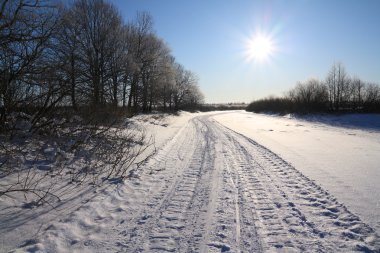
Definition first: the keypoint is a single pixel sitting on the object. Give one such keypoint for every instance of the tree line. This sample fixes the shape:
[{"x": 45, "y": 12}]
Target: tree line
[
  {"x": 85, "y": 58},
  {"x": 69, "y": 74},
  {"x": 338, "y": 92}
]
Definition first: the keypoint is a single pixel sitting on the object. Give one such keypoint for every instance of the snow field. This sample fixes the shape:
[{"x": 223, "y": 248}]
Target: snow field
[
  {"x": 209, "y": 189},
  {"x": 339, "y": 153}
]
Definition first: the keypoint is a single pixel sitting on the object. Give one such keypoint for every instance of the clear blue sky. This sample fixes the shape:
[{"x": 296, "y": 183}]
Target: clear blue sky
[{"x": 209, "y": 38}]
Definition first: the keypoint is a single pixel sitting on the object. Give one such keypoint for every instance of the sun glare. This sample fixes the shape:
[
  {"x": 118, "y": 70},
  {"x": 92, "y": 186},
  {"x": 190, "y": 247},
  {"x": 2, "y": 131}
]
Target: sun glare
[{"x": 260, "y": 48}]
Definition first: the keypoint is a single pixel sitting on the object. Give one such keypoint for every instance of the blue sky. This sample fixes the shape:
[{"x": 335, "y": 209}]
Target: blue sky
[{"x": 209, "y": 38}]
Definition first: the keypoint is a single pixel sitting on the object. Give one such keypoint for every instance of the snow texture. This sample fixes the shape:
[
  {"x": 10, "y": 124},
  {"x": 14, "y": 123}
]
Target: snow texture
[
  {"x": 220, "y": 183},
  {"x": 341, "y": 153}
]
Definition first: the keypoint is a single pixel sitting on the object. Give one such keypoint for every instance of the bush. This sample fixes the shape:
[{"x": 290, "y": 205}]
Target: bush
[
  {"x": 271, "y": 104},
  {"x": 338, "y": 93},
  {"x": 309, "y": 96}
]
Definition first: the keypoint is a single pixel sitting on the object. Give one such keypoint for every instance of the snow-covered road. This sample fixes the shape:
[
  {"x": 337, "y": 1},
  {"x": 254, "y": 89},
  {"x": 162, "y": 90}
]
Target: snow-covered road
[
  {"x": 210, "y": 189},
  {"x": 225, "y": 192}
]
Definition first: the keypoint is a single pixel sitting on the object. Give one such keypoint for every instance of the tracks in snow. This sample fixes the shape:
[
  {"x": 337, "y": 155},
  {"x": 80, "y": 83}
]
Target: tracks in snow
[{"x": 214, "y": 190}]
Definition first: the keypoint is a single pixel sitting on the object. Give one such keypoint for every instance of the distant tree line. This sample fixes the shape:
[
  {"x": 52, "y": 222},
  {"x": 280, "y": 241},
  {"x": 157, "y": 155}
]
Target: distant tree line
[
  {"x": 338, "y": 92},
  {"x": 85, "y": 58},
  {"x": 222, "y": 107}
]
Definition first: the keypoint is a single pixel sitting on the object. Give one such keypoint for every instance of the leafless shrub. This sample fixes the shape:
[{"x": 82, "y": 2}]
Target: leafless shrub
[
  {"x": 69, "y": 75},
  {"x": 337, "y": 93},
  {"x": 271, "y": 105},
  {"x": 39, "y": 165},
  {"x": 309, "y": 96}
]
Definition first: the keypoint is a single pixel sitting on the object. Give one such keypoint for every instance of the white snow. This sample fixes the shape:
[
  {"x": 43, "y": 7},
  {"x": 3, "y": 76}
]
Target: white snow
[
  {"x": 271, "y": 184},
  {"x": 341, "y": 153}
]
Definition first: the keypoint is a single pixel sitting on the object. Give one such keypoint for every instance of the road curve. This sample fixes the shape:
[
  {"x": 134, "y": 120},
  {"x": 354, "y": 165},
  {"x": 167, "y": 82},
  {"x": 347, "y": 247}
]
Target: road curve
[{"x": 219, "y": 191}]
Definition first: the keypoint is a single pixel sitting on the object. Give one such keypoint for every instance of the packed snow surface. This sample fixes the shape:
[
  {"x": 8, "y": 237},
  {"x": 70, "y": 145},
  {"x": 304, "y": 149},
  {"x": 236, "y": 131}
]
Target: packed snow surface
[
  {"x": 227, "y": 182},
  {"x": 341, "y": 153}
]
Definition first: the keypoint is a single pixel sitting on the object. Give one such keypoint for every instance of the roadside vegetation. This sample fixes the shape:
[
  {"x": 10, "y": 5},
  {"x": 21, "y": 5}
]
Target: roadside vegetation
[
  {"x": 337, "y": 93},
  {"x": 69, "y": 76},
  {"x": 222, "y": 107}
]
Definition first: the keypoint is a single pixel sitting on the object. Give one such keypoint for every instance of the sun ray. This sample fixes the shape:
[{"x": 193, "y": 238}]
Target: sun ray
[{"x": 260, "y": 48}]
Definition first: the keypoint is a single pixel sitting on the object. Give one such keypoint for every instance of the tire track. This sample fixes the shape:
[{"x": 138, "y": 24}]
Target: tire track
[
  {"x": 218, "y": 191},
  {"x": 210, "y": 189},
  {"x": 167, "y": 167},
  {"x": 293, "y": 212},
  {"x": 184, "y": 209}
]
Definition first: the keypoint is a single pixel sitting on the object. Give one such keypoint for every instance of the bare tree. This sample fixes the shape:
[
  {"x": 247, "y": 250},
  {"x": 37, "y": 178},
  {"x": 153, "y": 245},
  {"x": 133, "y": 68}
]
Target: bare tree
[
  {"x": 184, "y": 79},
  {"x": 137, "y": 44},
  {"x": 332, "y": 84},
  {"x": 99, "y": 24},
  {"x": 338, "y": 83},
  {"x": 166, "y": 82},
  {"x": 309, "y": 96},
  {"x": 25, "y": 30},
  {"x": 64, "y": 71},
  {"x": 372, "y": 98},
  {"x": 67, "y": 51},
  {"x": 358, "y": 87}
]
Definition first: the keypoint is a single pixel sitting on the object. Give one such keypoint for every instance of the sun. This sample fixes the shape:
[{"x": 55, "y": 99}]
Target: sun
[{"x": 260, "y": 48}]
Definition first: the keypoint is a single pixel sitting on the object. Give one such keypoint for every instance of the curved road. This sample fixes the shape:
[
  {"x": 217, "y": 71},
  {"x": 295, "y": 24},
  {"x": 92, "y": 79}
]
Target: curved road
[{"x": 215, "y": 190}]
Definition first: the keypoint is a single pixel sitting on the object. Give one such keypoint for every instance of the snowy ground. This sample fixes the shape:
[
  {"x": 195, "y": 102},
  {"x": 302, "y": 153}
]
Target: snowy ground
[
  {"x": 341, "y": 153},
  {"x": 226, "y": 182}
]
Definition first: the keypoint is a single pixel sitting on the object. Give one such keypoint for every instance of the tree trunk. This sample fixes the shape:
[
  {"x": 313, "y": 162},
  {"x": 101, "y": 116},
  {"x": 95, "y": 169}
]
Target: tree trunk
[
  {"x": 73, "y": 98},
  {"x": 114, "y": 81}
]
